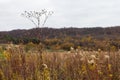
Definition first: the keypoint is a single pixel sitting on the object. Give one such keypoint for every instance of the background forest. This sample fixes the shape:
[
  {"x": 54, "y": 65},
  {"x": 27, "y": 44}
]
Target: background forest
[{"x": 64, "y": 38}]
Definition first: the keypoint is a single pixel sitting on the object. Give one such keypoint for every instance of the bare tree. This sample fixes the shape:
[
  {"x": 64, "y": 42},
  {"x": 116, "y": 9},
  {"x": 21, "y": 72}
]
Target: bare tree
[{"x": 37, "y": 18}]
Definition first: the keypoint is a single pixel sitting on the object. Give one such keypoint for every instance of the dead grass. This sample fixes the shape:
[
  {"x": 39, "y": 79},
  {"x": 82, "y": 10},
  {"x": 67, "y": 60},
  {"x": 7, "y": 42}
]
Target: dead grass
[{"x": 17, "y": 64}]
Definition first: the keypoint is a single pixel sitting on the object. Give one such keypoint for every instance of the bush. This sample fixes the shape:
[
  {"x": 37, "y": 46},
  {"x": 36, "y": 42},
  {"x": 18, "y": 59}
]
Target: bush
[{"x": 67, "y": 46}]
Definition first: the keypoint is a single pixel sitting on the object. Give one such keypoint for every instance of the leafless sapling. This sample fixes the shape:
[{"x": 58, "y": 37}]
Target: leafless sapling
[{"x": 38, "y": 18}]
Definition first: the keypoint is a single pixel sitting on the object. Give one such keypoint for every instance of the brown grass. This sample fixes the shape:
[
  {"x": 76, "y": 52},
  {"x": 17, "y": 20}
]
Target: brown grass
[{"x": 17, "y": 64}]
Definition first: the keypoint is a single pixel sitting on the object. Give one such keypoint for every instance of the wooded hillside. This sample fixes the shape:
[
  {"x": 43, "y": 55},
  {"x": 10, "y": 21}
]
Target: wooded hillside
[{"x": 85, "y": 37}]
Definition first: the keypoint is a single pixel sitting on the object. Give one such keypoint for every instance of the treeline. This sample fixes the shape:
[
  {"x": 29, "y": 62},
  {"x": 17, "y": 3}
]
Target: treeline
[{"x": 64, "y": 38}]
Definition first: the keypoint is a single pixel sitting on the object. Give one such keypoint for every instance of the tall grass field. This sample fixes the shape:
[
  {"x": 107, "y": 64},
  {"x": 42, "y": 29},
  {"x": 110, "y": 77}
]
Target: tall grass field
[{"x": 26, "y": 62}]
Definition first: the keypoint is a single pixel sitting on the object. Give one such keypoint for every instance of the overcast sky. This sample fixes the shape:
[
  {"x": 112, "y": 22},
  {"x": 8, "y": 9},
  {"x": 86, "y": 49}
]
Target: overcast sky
[{"x": 67, "y": 13}]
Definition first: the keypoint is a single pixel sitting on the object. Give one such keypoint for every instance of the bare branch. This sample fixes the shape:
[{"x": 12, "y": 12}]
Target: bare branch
[{"x": 35, "y": 17}]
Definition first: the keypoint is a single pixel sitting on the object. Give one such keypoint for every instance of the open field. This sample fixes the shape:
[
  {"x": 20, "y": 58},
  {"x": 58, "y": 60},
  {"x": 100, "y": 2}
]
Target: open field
[
  {"x": 62, "y": 40},
  {"x": 21, "y": 62}
]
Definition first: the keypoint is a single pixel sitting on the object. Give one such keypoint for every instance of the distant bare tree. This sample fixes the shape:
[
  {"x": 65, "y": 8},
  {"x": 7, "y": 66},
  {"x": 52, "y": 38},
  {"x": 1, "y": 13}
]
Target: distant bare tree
[{"x": 37, "y": 18}]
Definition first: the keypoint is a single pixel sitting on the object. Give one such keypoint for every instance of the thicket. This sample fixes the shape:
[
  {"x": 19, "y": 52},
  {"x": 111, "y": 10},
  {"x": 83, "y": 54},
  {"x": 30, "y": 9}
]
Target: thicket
[{"x": 85, "y": 43}]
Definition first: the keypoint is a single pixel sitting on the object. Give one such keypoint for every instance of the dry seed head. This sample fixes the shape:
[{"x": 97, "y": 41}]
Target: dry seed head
[
  {"x": 68, "y": 52},
  {"x": 17, "y": 46},
  {"x": 106, "y": 56},
  {"x": 82, "y": 59},
  {"x": 91, "y": 61},
  {"x": 99, "y": 50},
  {"x": 71, "y": 48},
  {"x": 44, "y": 66},
  {"x": 77, "y": 50},
  {"x": 93, "y": 56}
]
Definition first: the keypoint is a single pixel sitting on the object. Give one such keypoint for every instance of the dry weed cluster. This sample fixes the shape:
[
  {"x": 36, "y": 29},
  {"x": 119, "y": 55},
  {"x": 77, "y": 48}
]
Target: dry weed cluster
[{"x": 17, "y": 63}]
